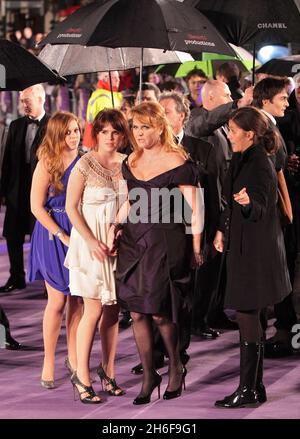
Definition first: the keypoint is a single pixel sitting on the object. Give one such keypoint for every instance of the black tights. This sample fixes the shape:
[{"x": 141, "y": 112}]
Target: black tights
[
  {"x": 250, "y": 326},
  {"x": 143, "y": 334}
]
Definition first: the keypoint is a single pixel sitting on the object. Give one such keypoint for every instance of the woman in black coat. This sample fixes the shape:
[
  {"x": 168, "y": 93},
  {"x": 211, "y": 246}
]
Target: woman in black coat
[{"x": 250, "y": 234}]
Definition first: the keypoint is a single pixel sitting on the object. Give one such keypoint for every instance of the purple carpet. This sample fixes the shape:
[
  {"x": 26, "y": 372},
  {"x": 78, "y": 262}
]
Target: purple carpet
[{"x": 212, "y": 374}]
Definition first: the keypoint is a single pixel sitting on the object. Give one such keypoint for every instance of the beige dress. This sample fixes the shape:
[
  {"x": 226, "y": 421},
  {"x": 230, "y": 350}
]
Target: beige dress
[{"x": 101, "y": 197}]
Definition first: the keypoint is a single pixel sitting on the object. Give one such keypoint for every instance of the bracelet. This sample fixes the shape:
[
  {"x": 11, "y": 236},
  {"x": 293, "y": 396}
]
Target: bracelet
[{"x": 59, "y": 233}]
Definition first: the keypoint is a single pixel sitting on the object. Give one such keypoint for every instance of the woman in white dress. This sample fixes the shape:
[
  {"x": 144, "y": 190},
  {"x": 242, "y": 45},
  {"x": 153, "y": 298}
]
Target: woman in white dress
[{"x": 94, "y": 193}]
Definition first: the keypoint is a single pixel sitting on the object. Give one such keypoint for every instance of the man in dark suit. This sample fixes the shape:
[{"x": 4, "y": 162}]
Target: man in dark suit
[
  {"x": 8, "y": 342},
  {"x": 24, "y": 136},
  {"x": 209, "y": 122},
  {"x": 271, "y": 96}
]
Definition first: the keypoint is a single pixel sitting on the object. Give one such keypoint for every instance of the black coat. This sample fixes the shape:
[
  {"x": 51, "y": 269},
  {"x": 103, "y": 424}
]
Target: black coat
[
  {"x": 16, "y": 177},
  {"x": 257, "y": 274}
]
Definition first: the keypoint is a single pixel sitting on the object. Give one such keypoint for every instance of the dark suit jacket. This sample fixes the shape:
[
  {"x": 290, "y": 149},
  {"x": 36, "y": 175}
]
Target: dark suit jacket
[
  {"x": 203, "y": 123},
  {"x": 208, "y": 125},
  {"x": 13, "y": 170},
  {"x": 203, "y": 153},
  {"x": 280, "y": 158}
]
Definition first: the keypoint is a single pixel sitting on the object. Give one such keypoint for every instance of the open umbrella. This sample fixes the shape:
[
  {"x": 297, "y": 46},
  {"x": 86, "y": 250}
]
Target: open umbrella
[
  {"x": 70, "y": 59},
  {"x": 209, "y": 63},
  {"x": 287, "y": 66},
  {"x": 161, "y": 24},
  {"x": 20, "y": 69},
  {"x": 244, "y": 22},
  {"x": 254, "y": 22},
  {"x": 242, "y": 55}
]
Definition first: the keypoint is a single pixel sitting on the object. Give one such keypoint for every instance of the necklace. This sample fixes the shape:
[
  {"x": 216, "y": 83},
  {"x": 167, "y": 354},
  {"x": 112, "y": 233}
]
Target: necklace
[{"x": 110, "y": 172}]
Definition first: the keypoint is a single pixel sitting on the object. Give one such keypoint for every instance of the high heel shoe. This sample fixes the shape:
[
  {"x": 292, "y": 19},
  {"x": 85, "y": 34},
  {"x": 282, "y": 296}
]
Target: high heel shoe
[
  {"x": 67, "y": 364},
  {"x": 88, "y": 390},
  {"x": 147, "y": 398},
  {"x": 48, "y": 384},
  {"x": 114, "y": 390},
  {"x": 176, "y": 393}
]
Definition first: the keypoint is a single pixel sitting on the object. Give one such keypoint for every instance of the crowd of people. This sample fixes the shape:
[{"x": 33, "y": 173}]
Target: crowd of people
[{"x": 222, "y": 234}]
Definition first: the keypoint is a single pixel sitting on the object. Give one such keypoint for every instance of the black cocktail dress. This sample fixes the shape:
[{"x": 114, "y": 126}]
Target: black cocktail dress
[{"x": 153, "y": 267}]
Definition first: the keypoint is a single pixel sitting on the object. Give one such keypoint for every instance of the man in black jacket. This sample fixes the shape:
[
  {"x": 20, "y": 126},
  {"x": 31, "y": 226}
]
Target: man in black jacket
[
  {"x": 9, "y": 342},
  {"x": 209, "y": 122},
  {"x": 271, "y": 96},
  {"x": 24, "y": 136}
]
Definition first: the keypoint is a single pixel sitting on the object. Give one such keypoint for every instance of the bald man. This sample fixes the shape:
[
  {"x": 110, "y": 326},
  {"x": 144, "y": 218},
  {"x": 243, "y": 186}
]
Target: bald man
[
  {"x": 209, "y": 121},
  {"x": 19, "y": 161}
]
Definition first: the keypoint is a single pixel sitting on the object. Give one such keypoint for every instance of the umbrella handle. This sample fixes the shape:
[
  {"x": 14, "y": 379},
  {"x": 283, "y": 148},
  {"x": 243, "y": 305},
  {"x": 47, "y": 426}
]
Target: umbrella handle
[
  {"x": 141, "y": 74},
  {"x": 253, "y": 64},
  {"x": 111, "y": 89}
]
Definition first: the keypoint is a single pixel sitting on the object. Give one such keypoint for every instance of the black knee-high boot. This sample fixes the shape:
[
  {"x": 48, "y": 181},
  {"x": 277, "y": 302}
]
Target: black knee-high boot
[
  {"x": 246, "y": 394},
  {"x": 260, "y": 388}
]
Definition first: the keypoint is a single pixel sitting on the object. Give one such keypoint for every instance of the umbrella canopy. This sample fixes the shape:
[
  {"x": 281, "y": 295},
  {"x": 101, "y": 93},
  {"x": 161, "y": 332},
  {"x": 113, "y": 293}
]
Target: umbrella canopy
[
  {"x": 242, "y": 55},
  {"x": 244, "y": 22},
  {"x": 210, "y": 62},
  {"x": 287, "y": 66},
  {"x": 70, "y": 59},
  {"x": 208, "y": 67},
  {"x": 20, "y": 69},
  {"x": 161, "y": 24}
]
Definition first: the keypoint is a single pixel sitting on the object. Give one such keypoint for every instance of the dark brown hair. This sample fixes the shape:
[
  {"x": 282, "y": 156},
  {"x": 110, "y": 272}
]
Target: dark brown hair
[
  {"x": 117, "y": 121},
  {"x": 267, "y": 88},
  {"x": 151, "y": 86},
  {"x": 195, "y": 72},
  {"x": 229, "y": 70},
  {"x": 252, "y": 119}
]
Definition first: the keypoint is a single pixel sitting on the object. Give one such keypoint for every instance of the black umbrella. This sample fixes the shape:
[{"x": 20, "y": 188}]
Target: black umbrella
[
  {"x": 243, "y": 22},
  {"x": 287, "y": 66},
  {"x": 162, "y": 24},
  {"x": 20, "y": 69}
]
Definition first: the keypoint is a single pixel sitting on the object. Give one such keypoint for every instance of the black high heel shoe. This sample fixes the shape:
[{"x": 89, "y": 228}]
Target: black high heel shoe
[
  {"x": 147, "y": 398},
  {"x": 88, "y": 390},
  {"x": 176, "y": 393},
  {"x": 114, "y": 390},
  {"x": 67, "y": 364}
]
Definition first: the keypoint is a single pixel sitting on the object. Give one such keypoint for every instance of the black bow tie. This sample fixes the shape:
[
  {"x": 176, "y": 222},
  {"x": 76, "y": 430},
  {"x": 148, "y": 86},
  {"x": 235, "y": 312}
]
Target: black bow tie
[{"x": 35, "y": 121}]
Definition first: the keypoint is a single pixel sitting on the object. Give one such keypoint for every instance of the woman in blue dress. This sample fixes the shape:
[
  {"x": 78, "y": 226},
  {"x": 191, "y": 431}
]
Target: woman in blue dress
[{"x": 57, "y": 156}]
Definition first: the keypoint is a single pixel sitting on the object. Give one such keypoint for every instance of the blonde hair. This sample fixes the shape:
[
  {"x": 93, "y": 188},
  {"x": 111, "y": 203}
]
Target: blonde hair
[
  {"x": 53, "y": 145},
  {"x": 154, "y": 115}
]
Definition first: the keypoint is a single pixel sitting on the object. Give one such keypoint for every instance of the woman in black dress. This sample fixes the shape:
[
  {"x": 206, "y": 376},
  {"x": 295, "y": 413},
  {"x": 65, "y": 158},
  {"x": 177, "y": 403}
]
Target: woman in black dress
[
  {"x": 250, "y": 233},
  {"x": 154, "y": 256}
]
